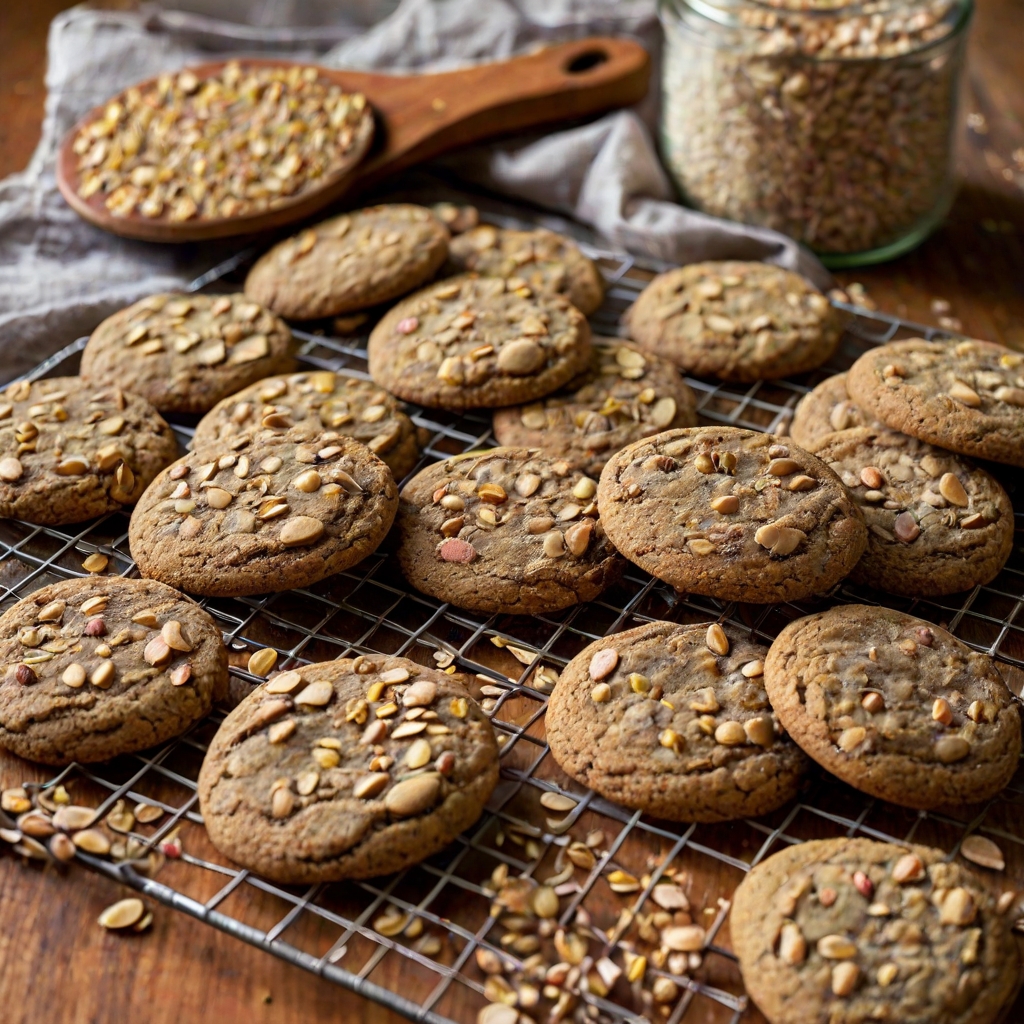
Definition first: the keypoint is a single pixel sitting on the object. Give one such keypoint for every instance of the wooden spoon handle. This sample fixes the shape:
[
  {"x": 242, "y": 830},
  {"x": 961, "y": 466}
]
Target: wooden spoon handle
[{"x": 425, "y": 115}]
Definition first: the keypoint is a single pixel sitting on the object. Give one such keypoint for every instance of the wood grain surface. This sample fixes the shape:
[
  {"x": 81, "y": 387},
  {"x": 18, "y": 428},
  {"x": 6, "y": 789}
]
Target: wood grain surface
[{"x": 59, "y": 967}]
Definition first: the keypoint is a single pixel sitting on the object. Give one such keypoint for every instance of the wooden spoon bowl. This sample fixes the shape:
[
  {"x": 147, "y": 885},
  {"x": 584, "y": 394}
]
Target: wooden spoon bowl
[{"x": 415, "y": 117}]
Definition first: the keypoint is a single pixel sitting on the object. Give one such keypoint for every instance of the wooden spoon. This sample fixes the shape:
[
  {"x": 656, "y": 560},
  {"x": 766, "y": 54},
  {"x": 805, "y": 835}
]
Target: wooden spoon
[{"x": 416, "y": 117}]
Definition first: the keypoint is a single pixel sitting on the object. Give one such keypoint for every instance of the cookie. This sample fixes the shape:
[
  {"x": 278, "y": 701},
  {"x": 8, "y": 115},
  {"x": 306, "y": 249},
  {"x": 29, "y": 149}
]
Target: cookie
[
  {"x": 505, "y": 530},
  {"x": 850, "y": 930},
  {"x": 276, "y": 512},
  {"x": 350, "y": 262},
  {"x": 674, "y": 721},
  {"x": 736, "y": 321},
  {"x": 967, "y": 396},
  {"x": 319, "y": 399},
  {"x": 71, "y": 450},
  {"x": 478, "y": 342},
  {"x": 546, "y": 261},
  {"x": 825, "y": 410},
  {"x": 937, "y": 524},
  {"x": 732, "y": 514},
  {"x": 347, "y": 769},
  {"x": 184, "y": 353},
  {"x": 894, "y": 706},
  {"x": 625, "y": 395},
  {"x": 101, "y": 666}
]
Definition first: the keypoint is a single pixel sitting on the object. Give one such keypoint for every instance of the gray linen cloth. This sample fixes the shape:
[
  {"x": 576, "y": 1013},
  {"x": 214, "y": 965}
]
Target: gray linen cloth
[{"x": 59, "y": 276}]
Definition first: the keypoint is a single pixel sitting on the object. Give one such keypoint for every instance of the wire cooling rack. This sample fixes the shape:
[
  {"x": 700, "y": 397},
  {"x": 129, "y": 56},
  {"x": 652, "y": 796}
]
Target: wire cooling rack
[{"x": 416, "y": 941}]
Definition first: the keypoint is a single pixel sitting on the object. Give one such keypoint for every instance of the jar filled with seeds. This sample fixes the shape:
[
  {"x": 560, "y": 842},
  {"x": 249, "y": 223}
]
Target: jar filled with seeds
[{"x": 831, "y": 122}]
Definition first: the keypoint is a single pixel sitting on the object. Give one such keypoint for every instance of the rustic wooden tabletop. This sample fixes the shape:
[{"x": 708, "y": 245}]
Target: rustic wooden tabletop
[{"x": 57, "y": 965}]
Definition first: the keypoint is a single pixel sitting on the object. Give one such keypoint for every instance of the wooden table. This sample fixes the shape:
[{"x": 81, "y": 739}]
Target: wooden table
[{"x": 59, "y": 966}]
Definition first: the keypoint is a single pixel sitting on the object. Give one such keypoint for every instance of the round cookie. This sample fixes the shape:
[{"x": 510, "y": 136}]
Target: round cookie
[
  {"x": 350, "y": 262},
  {"x": 347, "y": 769},
  {"x": 545, "y": 260},
  {"x": 674, "y": 721},
  {"x": 276, "y": 512},
  {"x": 894, "y": 706},
  {"x": 505, "y": 530},
  {"x": 478, "y": 342},
  {"x": 858, "y": 930},
  {"x": 184, "y": 353},
  {"x": 825, "y": 410},
  {"x": 936, "y": 523},
  {"x": 730, "y": 513},
  {"x": 318, "y": 399},
  {"x": 736, "y": 321},
  {"x": 101, "y": 666},
  {"x": 967, "y": 396},
  {"x": 71, "y": 450},
  {"x": 625, "y": 395}
]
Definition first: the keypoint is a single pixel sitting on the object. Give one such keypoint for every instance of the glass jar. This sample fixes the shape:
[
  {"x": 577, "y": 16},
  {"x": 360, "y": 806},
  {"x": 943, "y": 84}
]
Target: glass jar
[{"x": 833, "y": 123}]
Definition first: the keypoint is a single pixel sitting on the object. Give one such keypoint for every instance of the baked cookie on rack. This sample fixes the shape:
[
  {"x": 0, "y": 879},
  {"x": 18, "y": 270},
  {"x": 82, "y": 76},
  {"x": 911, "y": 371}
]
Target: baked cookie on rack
[
  {"x": 318, "y": 399},
  {"x": 937, "y": 524},
  {"x": 509, "y": 530},
  {"x": 966, "y": 396},
  {"x": 735, "y": 320},
  {"x": 894, "y": 706},
  {"x": 674, "y": 721},
  {"x": 184, "y": 353},
  {"x": 72, "y": 449},
  {"x": 545, "y": 260},
  {"x": 731, "y": 513},
  {"x": 853, "y": 929},
  {"x": 625, "y": 395},
  {"x": 101, "y": 666},
  {"x": 347, "y": 769},
  {"x": 266, "y": 513},
  {"x": 350, "y": 262},
  {"x": 825, "y": 410},
  {"x": 474, "y": 341}
]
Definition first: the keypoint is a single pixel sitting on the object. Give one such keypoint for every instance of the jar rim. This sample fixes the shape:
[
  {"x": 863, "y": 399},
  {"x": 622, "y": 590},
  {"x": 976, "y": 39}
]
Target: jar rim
[{"x": 723, "y": 12}]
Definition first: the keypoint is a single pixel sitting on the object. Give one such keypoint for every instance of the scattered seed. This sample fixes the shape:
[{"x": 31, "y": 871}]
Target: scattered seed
[
  {"x": 262, "y": 661},
  {"x": 95, "y": 563},
  {"x": 123, "y": 914},
  {"x": 982, "y": 851}
]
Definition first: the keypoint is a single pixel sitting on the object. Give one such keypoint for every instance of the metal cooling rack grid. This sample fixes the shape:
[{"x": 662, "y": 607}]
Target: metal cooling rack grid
[{"x": 328, "y": 930}]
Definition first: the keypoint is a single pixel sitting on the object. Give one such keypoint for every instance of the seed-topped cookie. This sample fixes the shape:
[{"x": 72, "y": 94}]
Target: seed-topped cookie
[
  {"x": 967, "y": 396},
  {"x": 101, "y": 666},
  {"x": 543, "y": 259},
  {"x": 674, "y": 720},
  {"x": 71, "y": 450},
  {"x": 825, "y": 410},
  {"x": 851, "y": 930},
  {"x": 347, "y": 769},
  {"x": 732, "y": 514},
  {"x": 319, "y": 399},
  {"x": 478, "y": 341},
  {"x": 184, "y": 353},
  {"x": 240, "y": 140},
  {"x": 350, "y": 262},
  {"x": 269, "y": 513},
  {"x": 737, "y": 321},
  {"x": 625, "y": 395},
  {"x": 937, "y": 524},
  {"x": 894, "y": 706},
  {"x": 506, "y": 530}
]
